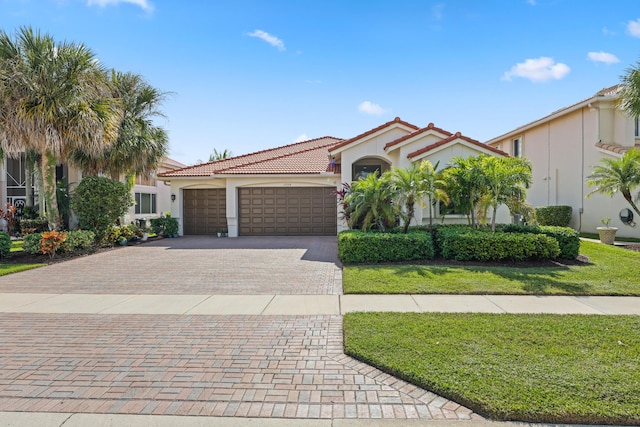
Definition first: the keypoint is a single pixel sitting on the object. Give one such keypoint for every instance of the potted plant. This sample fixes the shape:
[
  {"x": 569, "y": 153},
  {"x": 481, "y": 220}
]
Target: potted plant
[{"x": 607, "y": 234}]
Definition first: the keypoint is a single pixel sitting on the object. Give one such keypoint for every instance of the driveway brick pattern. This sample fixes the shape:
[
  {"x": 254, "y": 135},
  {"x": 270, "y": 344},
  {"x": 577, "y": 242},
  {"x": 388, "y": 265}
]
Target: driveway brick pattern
[
  {"x": 195, "y": 265},
  {"x": 242, "y": 366}
]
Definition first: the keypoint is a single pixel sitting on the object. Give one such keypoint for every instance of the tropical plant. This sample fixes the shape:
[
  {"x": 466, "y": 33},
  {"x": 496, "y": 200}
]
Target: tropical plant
[
  {"x": 433, "y": 186},
  {"x": 99, "y": 203},
  {"x": 51, "y": 242},
  {"x": 504, "y": 178},
  {"x": 370, "y": 202},
  {"x": 617, "y": 175},
  {"x": 629, "y": 91},
  {"x": 220, "y": 155},
  {"x": 140, "y": 145},
  {"x": 53, "y": 99},
  {"x": 465, "y": 184}
]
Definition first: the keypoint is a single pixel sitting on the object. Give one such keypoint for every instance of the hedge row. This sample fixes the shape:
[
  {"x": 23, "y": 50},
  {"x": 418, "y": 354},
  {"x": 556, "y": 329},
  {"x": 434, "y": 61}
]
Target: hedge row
[
  {"x": 80, "y": 240},
  {"x": 510, "y": 242},
  {"x": 356, "y": 246},
  {"x": 568, "y": 238},
  {"x": 5, "y": 245},
  {"x": 468, "y": 245},
  {"x": 559, "y": 216}
]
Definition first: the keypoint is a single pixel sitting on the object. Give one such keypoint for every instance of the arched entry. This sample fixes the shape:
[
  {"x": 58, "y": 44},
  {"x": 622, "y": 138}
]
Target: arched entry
[{"x": 368, "y": 165}]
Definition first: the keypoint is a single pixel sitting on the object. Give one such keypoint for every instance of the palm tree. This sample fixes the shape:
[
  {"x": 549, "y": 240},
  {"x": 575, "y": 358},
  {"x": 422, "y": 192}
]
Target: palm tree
[
  {"x": 617, "y": 175},
  {"x": 465, "y": 184},
  {"x": 505, "y": 177},
  {"x": 629, "y": 91},
  {"x": 433, "y": 186},
  {"x": 140, "y": 145},
  {"x": 53, "y": 100},
  {"x": 220, "y": 155},
  {"x": 370, "y": 203}
]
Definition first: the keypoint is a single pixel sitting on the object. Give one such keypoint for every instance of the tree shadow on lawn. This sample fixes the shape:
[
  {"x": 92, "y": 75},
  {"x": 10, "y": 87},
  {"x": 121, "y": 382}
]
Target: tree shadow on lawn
[{"x": 536, "y": 277}]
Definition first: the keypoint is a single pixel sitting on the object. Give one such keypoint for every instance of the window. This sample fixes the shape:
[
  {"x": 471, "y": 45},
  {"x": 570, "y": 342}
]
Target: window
[
  {"x": 361, "y": 171},
  {"x": 637, "y": 130},
  {"x": 516, "y": 147},
  {"x": 146, "y": 203},
  {"x": 450, "y": 209}
]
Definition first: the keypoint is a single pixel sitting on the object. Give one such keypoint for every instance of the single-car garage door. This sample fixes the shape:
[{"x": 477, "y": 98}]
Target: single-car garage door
[
  {"x": 204, "y": 210},
  {"x": 287, "y": 211}
]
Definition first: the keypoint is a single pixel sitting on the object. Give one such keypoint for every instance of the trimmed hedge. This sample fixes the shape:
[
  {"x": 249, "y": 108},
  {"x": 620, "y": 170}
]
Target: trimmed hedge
[
  {"x": 356, "y": 246},
  {"x": 568, "y": 238},
  {"x": 559, "y": 216},
  {"x": 80, "y": 240},
  {"x": 5, "y": 245},
  {"x": 31, "y": 243},
  {"x": 479, "y": 245},
  {"x": 39, "y": 225}
]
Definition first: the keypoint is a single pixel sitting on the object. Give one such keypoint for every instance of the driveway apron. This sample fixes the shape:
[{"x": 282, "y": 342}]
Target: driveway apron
[{"x": 235, "y": 365}]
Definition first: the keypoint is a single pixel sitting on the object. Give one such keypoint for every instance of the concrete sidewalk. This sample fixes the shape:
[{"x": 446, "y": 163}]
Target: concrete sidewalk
[{"x": 304, "y": 305}]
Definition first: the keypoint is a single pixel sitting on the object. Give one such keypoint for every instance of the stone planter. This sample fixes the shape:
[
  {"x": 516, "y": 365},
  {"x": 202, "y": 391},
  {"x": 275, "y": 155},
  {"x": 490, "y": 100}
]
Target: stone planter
[{"x": 607, "y": 234}]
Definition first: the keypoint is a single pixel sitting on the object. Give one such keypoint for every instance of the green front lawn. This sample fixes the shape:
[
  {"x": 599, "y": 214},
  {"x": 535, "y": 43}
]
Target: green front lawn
[
  {"x": 15, "y": 268},
  {"x": 536, "y": 368},
  {"x": 610, "y": 271}
]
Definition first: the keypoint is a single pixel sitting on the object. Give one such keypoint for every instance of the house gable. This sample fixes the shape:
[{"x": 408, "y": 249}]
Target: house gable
[
  {"x": 456, "y": 145},
  {"x": 379, "y": 136}
]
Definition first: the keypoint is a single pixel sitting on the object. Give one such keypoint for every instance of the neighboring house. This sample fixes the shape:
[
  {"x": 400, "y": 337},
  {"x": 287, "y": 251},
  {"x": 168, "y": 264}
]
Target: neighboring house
[
  {"x": 289, "y": 190},
  {"x": 153, "y": 197},
  {"x": 564, "y": 146}
]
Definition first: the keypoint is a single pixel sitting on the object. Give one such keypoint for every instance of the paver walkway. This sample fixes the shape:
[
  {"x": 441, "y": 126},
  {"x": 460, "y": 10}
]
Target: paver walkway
[{"x": 78, "y": 352}]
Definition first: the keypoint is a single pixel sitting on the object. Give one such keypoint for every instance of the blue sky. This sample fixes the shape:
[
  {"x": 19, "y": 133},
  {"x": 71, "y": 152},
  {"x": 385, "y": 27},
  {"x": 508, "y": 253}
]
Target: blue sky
[{"x": 249, "y": 75}]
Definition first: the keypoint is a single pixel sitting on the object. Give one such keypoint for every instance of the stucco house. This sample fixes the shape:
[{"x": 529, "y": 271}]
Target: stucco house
[
  {"x": 564, "y": 146},
  {"x": 153, "y": 197},
  {"x": 289, "y": 190}
]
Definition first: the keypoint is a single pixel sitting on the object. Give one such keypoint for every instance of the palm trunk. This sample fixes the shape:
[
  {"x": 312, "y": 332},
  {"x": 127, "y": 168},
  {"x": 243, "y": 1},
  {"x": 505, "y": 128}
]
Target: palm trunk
[
  {"x": 493, "y": 217},
  {"x": 48, "y": 164},
  {"x": 629, "y": 199}
]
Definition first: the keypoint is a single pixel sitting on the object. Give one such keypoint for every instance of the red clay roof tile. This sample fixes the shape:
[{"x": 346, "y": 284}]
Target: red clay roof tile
[
  {"x": 374, "y": 130},
  {"x": 457, "y": 135},
  {"x": 429, "y": 127},
  {"x": 307, "y": 157}
]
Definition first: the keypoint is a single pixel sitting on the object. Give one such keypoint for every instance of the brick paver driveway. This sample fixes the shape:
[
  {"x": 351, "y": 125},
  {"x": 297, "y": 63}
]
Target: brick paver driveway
[
  {"x": 243, "y": 366},
  {"x": 195, "y": 265}
]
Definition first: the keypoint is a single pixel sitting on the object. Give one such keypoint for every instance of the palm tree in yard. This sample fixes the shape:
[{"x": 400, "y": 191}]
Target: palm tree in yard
[
  {"x": 370, "y": 203},
  {"x": 465, "y": 184},
  {"x": 617, "y": 175},
  {"x": 629, "y": 91},
  {"x": 53, "y": 99},
  {"x": 141, "y": 144},
  {"x": 505, "y": 177},
  {"x": 220, "y": 155}
]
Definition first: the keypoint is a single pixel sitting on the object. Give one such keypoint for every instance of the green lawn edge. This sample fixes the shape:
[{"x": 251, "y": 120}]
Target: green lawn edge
[
  {"x": 16, "y": 268},
  {"x": 547, "y": 368},
  {"x": 611, "y": 270}
]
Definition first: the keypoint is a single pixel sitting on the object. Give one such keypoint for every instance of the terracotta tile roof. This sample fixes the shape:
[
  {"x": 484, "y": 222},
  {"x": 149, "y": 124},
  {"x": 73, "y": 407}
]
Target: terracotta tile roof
[
  {"x": 615, "y": 148},
  {"x": 307, "y": 157},
  {"x": 374, "y": 130},
  {"x": 429, "y": 127},
  {"x": 453, "y": 138}
]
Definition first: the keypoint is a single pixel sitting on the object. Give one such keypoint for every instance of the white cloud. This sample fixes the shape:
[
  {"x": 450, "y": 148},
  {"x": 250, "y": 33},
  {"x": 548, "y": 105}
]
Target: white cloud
[
  {"x": 538, "y": 70},
  {"x": 272, "y": 40},
  {"x": 369, "y": 107},
  {"x": 144, "y": 4},
  {"x": 633, "y": 28},
  {"x": 607, "y": 58},
  {"x": 302, "y": 137},
  {"x": 531, "y": 2},
  {"x": 608, "y": 32}
]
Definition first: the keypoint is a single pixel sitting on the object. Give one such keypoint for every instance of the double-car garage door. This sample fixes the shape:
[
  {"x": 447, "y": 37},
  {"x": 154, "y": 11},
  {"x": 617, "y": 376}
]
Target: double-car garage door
[{"x": 264, "y": 211}]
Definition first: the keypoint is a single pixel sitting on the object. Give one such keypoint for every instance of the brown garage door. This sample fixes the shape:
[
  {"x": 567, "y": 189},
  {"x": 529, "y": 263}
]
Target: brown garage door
[
  {"x": 287, "y": 211},
  {"x": 204, "y": 211}
]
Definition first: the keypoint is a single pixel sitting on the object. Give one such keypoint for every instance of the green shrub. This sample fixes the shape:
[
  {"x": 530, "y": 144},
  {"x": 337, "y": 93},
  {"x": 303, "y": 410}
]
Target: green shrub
[
  {"x": 117, "y": 232},
  {"x": 164, "y": 225},
  {"x": 480, "y": 245},
  {"x": 5, "y": 245},
  {"x": 79, "y": 240},
  {"x": 559, "y": 216},
  {"x": 568, "y": 238},
  {"x": 31, "y": 243},
  {"x": 356, "y": 246},
  {"x": 99, "y": 202},
  {"x": 37, "y": 225}
]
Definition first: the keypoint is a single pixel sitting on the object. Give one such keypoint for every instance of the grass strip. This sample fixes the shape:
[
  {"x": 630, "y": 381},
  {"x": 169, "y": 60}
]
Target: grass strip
[
  {"x": 15, "y": 268},
  {"x": 531, "y": 368},
  {"x": 610, "y": 271}
]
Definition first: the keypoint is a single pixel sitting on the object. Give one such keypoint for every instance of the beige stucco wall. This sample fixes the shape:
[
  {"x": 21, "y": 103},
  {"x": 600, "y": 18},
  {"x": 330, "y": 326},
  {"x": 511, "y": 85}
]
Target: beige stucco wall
[{"x": 563, "y": 152}]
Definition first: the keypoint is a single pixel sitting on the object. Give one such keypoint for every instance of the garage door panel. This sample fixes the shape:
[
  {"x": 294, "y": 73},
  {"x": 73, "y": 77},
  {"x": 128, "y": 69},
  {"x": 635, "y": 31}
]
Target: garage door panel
[
  {"x": 204, "y": 210},
  {"x": 287, "y": 211}
]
